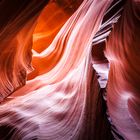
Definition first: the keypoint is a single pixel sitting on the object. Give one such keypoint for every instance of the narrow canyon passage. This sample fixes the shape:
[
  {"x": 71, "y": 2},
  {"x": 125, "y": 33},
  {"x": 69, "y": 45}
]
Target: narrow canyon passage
[{"x": 69, "y": 70}]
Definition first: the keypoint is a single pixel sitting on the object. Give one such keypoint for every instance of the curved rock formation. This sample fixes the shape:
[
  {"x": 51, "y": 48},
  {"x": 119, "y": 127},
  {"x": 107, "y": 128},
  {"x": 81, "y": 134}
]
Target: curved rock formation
[
  {"x": 123, "y": 88},
  {"x": 16, "y": 29},
  {"x": 62, "y": 98}
]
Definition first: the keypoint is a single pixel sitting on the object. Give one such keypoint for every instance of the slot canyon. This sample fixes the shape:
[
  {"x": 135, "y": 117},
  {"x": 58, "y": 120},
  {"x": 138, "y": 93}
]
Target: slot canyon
[{"x": 69, "y": 69}]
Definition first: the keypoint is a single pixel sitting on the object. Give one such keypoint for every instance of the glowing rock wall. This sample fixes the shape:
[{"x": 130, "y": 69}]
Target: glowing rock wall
[
  {"x": 16, "y": 28},
  {"x": 62, "y": 99},
  {"x": 123, "y": 88}
]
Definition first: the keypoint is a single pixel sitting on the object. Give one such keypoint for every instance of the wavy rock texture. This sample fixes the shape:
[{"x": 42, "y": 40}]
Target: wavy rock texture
[
  {"x": 52, "y": 105},
  {"x": 15, "y": 47},
  {"x": 123, "y": 88},
  {"x": 62, "y": 99}
]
